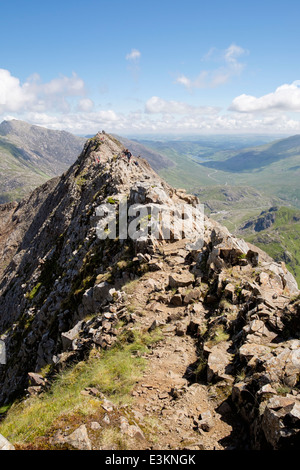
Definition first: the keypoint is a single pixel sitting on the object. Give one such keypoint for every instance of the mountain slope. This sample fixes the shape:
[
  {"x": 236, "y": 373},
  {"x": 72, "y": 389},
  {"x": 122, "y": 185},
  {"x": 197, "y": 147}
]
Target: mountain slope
[
  {"x": 156, "y": 160},
  {"x": 258, "y": 157},
  {"x": 277, "y": 231},
  {"x": 29, "y": 155},
  {"x": 189, "y": 335},
  {"x": 272, "y": 169}
]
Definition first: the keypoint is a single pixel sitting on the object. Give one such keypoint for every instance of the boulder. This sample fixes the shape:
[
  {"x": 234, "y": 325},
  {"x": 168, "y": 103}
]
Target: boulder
[
  {"x": 176, "y": 300},
  {"x": 131, "y": 430},
  {"x": 36, "y": 379},
  {"x": 69, "y": 336},
  {"x": 101, "y": 292},
  {"x": 280, "y": 422},
  {"x": 206, "y": 422},
  {"x": 79, "y": 439},
  {"x": 192, "y": 295},
  {"x": 219, "y": 363},
  {"x": 181, "y": 280}
]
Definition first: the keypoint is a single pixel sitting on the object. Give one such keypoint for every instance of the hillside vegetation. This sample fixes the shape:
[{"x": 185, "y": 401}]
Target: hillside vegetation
[
  {"x": 273, "y": 168},
  {"x": 277, "y": 231},
  {"x": 30, "y": 155}
]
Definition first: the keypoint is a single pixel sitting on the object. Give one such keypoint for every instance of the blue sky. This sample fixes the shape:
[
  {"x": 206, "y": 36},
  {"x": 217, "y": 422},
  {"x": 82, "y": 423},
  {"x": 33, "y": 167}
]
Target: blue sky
[{"x": 163, "y": 66}]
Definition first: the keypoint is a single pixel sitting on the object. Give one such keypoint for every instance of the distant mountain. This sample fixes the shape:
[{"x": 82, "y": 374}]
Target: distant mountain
[
  {"x": 156, "y": 160},
  {"x": 30, "y": 155},
  {"x": 259, "y": 157},
  {"x": 272, "y": 169},
  {"x": 89, "y": 322}
]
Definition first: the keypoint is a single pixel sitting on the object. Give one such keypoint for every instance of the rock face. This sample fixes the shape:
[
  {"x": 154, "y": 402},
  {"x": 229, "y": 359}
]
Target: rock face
[{"x": 61, "y": 290}]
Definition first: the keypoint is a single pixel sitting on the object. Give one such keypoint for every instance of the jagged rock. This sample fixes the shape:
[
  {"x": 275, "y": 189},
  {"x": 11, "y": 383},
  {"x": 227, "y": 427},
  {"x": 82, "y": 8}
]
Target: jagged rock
[
  {"x": 198, "y": 309},
  {"x": 180, "y": 329},
  {"x": 153, "y": 325},
  {"x": 5, "y": 444},
  {"x": 219, "y": 363},
  {"x": 69, "y": 336},
  {"x": 284, "y": 366},
  {"x": 267, "y": 389},
  {"x": 153, "y": 285},
  {"x": 88, "y": 301},
  {"x": 250, "y": 350},
  {"x": 285, "y": 278},
  {"x": 181, "y": 280},
  {"x": 45, "y": 352},
  {"x": 258, "y": 333},
  {"x": 106, "y": 419},
  {"x": 79, "y": 439},
  {"x": 253, "y": 257},
  {"x": 95, "y": 426},
  {"x": 230, "y": 292},
  {"x": 155, "y": 265},
  {"x": 35, "y": 390},
  {"x": 206, "y": 422},
  {"x": 54, "y": 254},
  {"x": 280, "y": 422},
  {"x": 192, "y": 295},
  {"x": 101, "y": 292},
  {"x": 176, "y": 300},
  {"x": 107, "y": 405},
  {"x": 36, "y": 379},
  {"x": 131, "y": 430},
  {"x": 264, "y": 278}
]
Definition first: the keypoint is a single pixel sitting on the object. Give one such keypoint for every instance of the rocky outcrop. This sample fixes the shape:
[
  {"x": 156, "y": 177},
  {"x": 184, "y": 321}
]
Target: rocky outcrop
[
  {"x": 264, "y": 221},
  {"x": 65, "y": 290}
]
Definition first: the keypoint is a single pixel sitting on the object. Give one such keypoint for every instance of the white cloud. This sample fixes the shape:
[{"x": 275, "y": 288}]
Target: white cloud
[
  {"x": 62, "y": 103},
  {"x": 176, "y": 122},
  {"x": 33, "y": 94},
  {"x": 231, "y": 66},
  {"x": 134, "y": 55},
  {"x": 284, "y": 98},
  {"x": 62, "y": 85},
  {"x": 156, "y": 105},
  {"x": 232, "y": 53},
  {"x": 13, "y": 95},
  {"x": 85, "y": 104}
]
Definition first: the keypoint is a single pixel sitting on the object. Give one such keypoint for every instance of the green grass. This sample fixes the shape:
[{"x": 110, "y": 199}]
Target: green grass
[
  {"x": 218, "y": 336},
  {"x": 282, "y": 240},
  {"x": 31, "y": 295},
  {"x": 113, "y": 372}
]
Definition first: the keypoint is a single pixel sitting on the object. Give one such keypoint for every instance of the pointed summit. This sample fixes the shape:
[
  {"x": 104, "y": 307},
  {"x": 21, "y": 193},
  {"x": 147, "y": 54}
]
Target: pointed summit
[{"x": 69, "y": 280}]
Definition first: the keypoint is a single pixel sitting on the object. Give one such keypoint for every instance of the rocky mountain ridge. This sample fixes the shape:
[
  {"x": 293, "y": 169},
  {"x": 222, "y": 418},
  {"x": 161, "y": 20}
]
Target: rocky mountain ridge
[
  {"x": 29, "y": 155},
  {"x": 227, "y": 363}
]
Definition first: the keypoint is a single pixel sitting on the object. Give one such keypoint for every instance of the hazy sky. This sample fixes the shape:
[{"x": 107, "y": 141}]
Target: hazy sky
[{"x": 164, "y": 66}]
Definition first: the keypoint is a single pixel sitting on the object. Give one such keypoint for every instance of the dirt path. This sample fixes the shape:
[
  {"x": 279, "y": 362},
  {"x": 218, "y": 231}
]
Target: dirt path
[{"x": 167, "y": 396}]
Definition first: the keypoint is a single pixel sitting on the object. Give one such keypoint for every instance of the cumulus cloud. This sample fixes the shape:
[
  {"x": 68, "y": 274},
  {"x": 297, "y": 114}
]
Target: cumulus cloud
[
  {"x": 33, "y": 94},
  {"x": 177, "y": 122},
  {"x": 230, "y": 67},
  {"x": 13, "y": 95},
  {"x": 85, "y": 104},
  {"x": 156, "y": 105},
  {"x": 134, "y": 55},
  {"x": 62, "y": 103},
  {"x": 284, "y": 98}
]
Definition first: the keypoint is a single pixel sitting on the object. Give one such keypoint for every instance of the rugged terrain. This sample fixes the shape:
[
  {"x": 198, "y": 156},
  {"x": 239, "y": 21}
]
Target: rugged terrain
[
  {"x": 157, "y": 161},
  {"x": 30, "y": 155},
  {"x": 277, "y": 231},
  {"x": 146, "y": 343}
]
